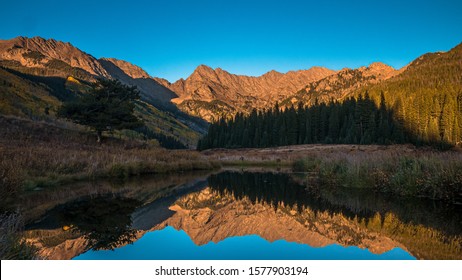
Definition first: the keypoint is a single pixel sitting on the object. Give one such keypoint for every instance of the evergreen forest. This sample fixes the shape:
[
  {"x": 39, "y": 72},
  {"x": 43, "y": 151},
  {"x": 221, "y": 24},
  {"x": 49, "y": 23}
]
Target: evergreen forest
[{"x": 356, "y": 120}]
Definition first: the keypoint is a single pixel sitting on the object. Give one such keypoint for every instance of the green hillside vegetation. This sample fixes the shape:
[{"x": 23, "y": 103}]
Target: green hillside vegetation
[
  {"x": 427, "y": 97},
  {"x": 22, "y": 97},
  {"x": 52, "y": 68},
  {"x": 163, "y": 122},
  {"x": 216, "y": 107},
  {"x": 37, "y": 93}
]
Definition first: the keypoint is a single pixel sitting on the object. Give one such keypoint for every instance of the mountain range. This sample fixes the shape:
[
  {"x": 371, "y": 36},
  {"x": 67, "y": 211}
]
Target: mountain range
[
  {"x": 37, "y": 75},
  {"x": 213, "y": 93}
]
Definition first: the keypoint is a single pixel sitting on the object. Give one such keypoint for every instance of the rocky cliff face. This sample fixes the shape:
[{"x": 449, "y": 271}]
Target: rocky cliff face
[
  {"x": 213, "y": 93},
  {"x": 37, "y": 52},
  {"x": 341, "y": 84}
]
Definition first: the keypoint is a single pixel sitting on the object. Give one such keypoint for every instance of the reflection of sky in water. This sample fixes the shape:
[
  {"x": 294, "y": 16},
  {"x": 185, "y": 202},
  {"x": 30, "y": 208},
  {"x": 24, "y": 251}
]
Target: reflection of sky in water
[{"x": 170, "y": 244}]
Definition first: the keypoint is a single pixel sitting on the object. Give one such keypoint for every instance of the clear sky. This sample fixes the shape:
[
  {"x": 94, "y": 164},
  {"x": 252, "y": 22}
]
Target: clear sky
[{"x": 170, "y": 38}]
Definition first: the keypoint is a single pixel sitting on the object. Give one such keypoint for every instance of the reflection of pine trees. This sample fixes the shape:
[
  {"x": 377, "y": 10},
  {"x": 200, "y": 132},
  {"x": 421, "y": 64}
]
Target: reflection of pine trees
[
  {"x": 275, "y": 189},
  {"x": 104, "y": 221}
]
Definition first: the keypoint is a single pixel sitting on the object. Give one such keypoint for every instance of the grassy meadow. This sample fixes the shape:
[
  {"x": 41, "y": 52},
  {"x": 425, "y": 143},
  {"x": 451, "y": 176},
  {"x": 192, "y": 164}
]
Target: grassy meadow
[{"x": 37, "y": 155}]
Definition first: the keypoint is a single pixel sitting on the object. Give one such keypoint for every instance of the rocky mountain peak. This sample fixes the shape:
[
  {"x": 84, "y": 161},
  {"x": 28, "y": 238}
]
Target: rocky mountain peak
[
  {"x": 380, "y": 70},
  {"x": 273, "y": 74},
  {"x": 379, "y": 65},
  {"x": 37, "y": 51},
  {"x": 203, "y": 69},
  {"x": 204, "y": 73}
]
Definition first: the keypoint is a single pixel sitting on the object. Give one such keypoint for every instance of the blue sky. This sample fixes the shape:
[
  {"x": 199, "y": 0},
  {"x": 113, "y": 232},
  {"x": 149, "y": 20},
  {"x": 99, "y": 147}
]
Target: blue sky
[
  {"x": 166, "y": 243},
  {"x": 170, "y": 38}
]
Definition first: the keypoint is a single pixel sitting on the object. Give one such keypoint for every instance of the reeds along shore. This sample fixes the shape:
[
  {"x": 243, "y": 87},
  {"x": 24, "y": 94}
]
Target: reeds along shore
[
  {"x": 43, "y": 165},
  {"x": 432, "y": 174}
]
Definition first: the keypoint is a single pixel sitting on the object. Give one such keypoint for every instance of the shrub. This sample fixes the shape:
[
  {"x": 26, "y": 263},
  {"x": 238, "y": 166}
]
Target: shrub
[
  {"x": 13, "y": 246},
  {"x": 307, "y": 164}
]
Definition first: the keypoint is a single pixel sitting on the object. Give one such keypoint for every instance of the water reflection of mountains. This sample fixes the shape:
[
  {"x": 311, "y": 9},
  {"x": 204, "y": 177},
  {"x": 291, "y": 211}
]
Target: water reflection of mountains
[
  {"x": 280, "y": 188},
  {"x": 312, "y": 215}
]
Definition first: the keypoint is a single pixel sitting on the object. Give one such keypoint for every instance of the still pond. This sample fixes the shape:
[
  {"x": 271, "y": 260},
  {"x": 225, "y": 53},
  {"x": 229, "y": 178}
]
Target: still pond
[{"x": 236, "y": 214}]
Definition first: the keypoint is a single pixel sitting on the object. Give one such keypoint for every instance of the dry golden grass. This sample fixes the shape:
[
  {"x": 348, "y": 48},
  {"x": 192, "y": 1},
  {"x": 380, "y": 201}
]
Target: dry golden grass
[{"x": 37, "y": 154}]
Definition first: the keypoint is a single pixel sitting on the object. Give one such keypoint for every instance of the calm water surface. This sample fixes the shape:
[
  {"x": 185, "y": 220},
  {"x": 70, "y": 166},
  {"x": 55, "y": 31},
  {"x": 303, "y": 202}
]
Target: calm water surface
[
  {"x": 237, "y": 215},
  {"x": 170, "y": 244}
]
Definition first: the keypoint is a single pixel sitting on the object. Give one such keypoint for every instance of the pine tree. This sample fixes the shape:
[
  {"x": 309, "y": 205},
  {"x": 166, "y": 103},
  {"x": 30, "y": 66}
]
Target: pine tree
[{"x": 108, "y": 106}]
